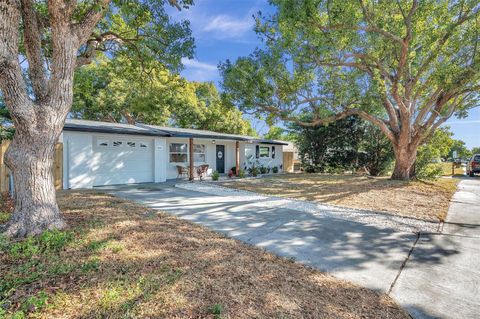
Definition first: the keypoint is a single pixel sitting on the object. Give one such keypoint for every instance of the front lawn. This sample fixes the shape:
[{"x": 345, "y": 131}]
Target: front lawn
[
  {"x": 122, "y": 260},
  {"x": 424, "y": 200}
]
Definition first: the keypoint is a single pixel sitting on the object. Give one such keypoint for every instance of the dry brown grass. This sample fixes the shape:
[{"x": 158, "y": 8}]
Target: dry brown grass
[
  {"x": 418, "y": 199},
  {"x": 125, "y": 261}
]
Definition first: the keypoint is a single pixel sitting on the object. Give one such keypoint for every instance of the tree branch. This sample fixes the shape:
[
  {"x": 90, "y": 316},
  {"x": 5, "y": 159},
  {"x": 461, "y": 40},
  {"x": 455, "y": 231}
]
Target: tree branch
[
  {"x": 33, "y": 46},
  {"x": 338, "y": 116},
  {"x": 436, "y": 51},
  {"x": 84, "y": 28},
  {"x": 372, "y": 27},
  {"x": 11, "y": 80}
]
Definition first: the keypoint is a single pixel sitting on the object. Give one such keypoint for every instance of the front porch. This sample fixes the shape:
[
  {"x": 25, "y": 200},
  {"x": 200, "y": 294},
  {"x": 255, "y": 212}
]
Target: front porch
[
  {"x": 194, "y": 169},
  {"x": 186, "y": 155}
]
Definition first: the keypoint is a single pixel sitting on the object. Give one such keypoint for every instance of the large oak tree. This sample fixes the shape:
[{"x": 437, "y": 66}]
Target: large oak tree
[
  {"x": 405, "y": 66},
  {"x": 41, "y": 44}
]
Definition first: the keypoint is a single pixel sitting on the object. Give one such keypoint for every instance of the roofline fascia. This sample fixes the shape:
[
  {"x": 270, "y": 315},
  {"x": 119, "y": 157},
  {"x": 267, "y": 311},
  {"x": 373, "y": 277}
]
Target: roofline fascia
[
  {"x": 152, "y": 131},
  {"x": 112, "y": 131}
]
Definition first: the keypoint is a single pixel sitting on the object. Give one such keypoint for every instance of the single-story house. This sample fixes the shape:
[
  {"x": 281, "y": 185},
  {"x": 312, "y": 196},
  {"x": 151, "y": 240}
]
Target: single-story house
[{"x": 101, "y": 153}]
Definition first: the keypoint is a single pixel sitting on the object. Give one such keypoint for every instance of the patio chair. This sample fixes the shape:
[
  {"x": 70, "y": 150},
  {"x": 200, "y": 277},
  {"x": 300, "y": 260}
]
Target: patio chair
[
  {"x": 202, "y": 170},
  {"x": 182, "y": 171}
]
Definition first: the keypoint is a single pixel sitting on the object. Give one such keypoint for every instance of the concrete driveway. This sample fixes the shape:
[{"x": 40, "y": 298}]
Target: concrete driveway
[
  {"x": 367, "y": 255},
  {"x": 432, "y": 275}
]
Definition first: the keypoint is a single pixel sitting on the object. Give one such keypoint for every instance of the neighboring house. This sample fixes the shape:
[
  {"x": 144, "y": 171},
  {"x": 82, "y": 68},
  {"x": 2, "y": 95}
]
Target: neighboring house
[{"x": 101, "y": 153}]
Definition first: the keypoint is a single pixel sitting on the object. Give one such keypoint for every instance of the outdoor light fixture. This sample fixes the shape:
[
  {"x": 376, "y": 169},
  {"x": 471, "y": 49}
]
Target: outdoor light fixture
[{"x": 213, "y": 142}]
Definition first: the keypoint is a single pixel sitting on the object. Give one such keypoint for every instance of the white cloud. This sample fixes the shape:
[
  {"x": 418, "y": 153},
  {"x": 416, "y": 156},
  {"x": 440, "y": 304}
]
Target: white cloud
[
  {"x": 198, "y": 65},
  {"x": 199, "y": 71},
  {"x": 225, "y": 26}
]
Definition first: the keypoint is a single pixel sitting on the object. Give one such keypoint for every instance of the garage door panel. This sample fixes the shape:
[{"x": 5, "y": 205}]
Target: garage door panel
[{"x": 122, "y": 164}]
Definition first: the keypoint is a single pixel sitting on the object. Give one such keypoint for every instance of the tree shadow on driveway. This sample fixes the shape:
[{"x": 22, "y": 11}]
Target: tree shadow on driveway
[{"x": 364, "y": 254}]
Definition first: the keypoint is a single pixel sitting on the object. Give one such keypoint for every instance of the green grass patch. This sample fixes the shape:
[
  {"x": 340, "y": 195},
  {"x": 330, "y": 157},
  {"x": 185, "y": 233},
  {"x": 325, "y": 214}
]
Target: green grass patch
[
  {"x": 34, "y": 262},
  {"x": 447, "y": 169},
  {"x": 4, "y": 217}
]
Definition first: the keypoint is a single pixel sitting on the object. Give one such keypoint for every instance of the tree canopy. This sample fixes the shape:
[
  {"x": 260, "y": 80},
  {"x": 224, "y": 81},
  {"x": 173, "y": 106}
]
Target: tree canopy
[
  {"x": 405, "y": 66},
  {"x": 119, "y": 89}
]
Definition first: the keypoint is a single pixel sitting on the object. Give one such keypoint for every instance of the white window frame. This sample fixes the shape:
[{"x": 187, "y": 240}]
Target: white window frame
[
  {"x": 204, "y": 153},
  {"x": 178, "y": 153}
]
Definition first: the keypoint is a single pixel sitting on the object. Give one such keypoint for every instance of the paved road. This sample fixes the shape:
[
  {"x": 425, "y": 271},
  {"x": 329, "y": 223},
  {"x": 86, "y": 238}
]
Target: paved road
[{"x": 442, "y": 276}]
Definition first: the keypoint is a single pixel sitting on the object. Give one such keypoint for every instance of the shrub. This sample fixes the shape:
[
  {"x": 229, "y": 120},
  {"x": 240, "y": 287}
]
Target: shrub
[
  {"x": 435, "y": 148},
  {"x": 346, "y": 145},
  {"x": 253, "y": 171},
  {"x": 275, "y": 169},
  {"x": 215, "y": 175},
  {"x": 311, "y": 169},
  {"x": 263, "y": 170},
  {"x": 241, "y": 173}
]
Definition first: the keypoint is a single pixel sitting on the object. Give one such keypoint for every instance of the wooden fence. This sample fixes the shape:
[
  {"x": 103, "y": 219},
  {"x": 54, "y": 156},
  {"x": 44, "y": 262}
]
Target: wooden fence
[
  {"x": 288, "y": 162},
  {"x": 57, "y": 168}
]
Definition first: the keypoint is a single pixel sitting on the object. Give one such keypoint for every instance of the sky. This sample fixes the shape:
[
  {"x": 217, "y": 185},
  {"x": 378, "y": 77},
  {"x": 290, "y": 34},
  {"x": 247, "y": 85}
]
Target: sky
[{"x": 224, "y": 30}]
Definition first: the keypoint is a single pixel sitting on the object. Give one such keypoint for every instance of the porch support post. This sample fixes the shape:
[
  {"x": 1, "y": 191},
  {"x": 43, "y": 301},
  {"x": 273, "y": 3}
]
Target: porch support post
[
  {"x": 190, "y": 160},
  {"x": 237, "y": 157}
]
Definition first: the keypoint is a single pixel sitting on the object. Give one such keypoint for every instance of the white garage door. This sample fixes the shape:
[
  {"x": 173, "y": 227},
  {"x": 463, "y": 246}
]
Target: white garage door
[{"x": 122, "y": 161}]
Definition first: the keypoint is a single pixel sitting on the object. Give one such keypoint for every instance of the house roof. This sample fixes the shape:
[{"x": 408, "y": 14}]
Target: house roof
[
  {"x": 153, "y": 130},
  {"x": 106, "y": 127}
]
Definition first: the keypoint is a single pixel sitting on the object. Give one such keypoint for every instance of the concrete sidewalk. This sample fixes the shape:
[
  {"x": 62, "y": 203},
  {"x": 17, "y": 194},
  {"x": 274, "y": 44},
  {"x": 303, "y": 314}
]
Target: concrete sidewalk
[{"x": 442, "y": 276}]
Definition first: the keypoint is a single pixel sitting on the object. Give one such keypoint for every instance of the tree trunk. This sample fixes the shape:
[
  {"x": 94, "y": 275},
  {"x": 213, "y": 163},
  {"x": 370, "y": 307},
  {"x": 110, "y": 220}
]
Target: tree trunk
[
  {"x": 405, "y": 157},
  {"x": 30, "y": 159}
]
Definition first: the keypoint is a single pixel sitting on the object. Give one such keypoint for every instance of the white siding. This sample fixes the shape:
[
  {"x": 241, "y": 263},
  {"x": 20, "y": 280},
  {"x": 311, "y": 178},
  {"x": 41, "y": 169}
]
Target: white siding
[
  {"x": 87, "y": 165},
  {"x": 249, "y": 150},
  {"x": 160, "y": 159},
  {"x": 77, "y": 155}
]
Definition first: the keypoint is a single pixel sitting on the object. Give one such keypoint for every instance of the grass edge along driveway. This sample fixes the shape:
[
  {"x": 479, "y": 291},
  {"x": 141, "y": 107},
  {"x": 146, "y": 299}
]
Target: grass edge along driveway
[{"x": 417, "y": 199}]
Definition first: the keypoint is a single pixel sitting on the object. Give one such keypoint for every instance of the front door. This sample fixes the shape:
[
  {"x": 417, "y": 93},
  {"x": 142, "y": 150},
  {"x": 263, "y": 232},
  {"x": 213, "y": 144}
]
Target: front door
[{"x": 221, "y": 159}]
